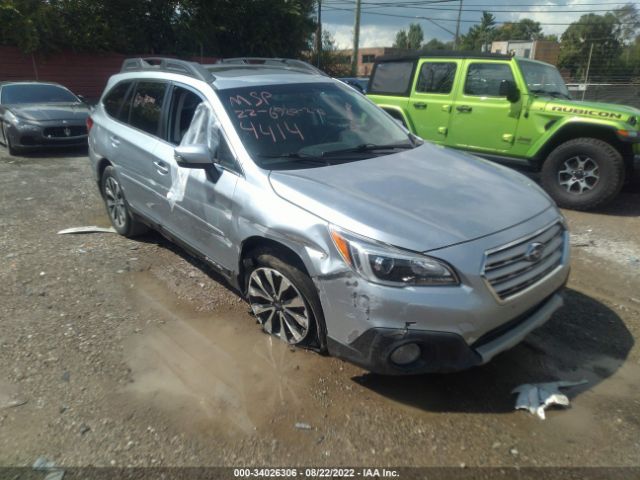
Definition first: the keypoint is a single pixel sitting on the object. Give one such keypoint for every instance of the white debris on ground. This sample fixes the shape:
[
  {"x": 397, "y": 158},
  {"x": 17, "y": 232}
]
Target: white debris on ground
[
  {"x": 91, "y": 229},
  {"x": 536, "y": 397}
]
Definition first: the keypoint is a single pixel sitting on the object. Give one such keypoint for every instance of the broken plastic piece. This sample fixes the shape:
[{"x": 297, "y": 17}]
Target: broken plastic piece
[
  {"x": 92, "y": 229},
  {"x": 204, "y": 130},
  {"x": 536, "y": 397},
  {"x": 303, "y": 426}
]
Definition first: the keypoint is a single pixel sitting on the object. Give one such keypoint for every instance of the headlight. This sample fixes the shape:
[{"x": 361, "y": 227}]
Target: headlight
[{"x": 387, "y": 265}]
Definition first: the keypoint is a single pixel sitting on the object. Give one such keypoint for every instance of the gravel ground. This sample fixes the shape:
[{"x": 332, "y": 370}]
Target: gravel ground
[{"x": 131, "y": 353}]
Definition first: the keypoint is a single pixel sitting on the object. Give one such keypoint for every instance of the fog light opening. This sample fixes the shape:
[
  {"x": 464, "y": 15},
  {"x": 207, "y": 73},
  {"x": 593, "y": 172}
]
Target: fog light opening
[{"x": 405, "y": 354}]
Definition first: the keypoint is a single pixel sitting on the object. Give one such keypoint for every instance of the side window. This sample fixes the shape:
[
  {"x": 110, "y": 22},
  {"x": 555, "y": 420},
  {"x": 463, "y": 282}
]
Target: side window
[
  {"x": 224, "y": 156},
  {"x": 392, "y": 78},
  {"x": 146, "y": 107},
  {"x": 115, "y": 100},
  {"x": 183, "y": 106},
  {"x": 436, "y": 77},
  {"x": 484, "y": 79}
]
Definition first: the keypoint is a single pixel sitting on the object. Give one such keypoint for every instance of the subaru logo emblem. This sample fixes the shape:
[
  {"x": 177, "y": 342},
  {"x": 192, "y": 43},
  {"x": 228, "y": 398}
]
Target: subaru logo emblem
[
  {"x": 67, "y": 131},
  {"x": 534, "y": 252}
]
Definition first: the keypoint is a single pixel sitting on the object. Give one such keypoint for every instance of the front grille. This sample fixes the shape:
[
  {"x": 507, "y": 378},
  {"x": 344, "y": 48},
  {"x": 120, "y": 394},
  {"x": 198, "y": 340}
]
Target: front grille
[
  {"x": 511, "y": 269},
  {"x": 65, "y": 132}
]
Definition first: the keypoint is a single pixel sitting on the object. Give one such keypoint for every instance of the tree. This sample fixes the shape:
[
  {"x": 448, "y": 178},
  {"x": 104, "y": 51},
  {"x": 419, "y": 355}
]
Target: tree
[
  {"x": 525, "y": 29},
  {"x": 481, "y": 34},
  {"x": 628, "y": 22},
  {"x": 601, "y": 31},
  {"x": 332, "y": 61},
  {"x": 411, "y": 40},
  {"x": 435, "y": 44}
]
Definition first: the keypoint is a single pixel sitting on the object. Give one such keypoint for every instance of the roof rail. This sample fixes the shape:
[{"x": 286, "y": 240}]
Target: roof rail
[
  {"x": 171, "y": 65},
  {"x": 289, "y": 63}
]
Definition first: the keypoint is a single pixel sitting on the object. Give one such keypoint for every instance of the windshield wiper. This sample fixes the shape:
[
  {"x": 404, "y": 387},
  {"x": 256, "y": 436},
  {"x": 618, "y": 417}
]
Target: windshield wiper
[
  {"x": 310, "y": 159},
  {"x": 551, "y": 93},
  {"x": 368, "y": 147}
]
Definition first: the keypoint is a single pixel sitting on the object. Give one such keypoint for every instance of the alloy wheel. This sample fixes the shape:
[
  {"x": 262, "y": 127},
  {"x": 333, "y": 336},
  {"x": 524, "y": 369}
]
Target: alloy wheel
[
  {"x": 580, "y": 174},
  {"x": 115, "y": 202},
  {"x": 278, "y": 305}
]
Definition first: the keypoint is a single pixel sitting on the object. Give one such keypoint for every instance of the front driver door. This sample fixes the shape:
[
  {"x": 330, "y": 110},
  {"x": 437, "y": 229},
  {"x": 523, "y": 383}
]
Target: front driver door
[{"x": 481, "y": 118}]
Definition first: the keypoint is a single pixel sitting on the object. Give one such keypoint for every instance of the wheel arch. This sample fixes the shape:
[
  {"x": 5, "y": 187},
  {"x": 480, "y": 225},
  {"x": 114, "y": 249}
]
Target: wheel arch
[
  {"x": 573, "y": 130},
  {"x": 101, "y": 166}
]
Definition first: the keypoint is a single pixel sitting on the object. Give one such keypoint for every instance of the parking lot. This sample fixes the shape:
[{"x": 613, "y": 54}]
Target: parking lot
[{"x": 130, "y": 352}]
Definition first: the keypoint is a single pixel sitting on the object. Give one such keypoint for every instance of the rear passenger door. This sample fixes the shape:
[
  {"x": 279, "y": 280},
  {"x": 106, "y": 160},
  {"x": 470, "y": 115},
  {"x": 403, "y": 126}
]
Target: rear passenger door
[
  {"x": 432, "y": 98},
  {"x": 482, "y": 119},
  {"x": 133, "y": 146}
]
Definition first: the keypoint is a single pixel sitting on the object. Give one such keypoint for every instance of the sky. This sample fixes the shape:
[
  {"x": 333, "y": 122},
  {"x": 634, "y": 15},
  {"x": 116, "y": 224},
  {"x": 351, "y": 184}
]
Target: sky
[{"x": 378, "y": 26}]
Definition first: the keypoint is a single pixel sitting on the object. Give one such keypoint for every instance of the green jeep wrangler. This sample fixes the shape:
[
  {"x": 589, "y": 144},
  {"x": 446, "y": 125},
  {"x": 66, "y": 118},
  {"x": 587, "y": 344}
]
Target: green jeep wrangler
[{"x": 515, "y": 111}]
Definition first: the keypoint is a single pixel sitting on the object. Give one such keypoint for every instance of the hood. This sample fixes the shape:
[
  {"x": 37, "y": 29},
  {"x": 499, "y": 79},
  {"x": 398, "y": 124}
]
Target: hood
[
  {"x": 592, "y": 109},
  {"x": 51, "y": 111},
  {"x": 421, "y": 199}
]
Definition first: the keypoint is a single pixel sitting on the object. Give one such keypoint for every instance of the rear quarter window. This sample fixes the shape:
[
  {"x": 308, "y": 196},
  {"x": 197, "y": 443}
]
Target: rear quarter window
[
  {"x": 392, "y": 78},
  {"x": 116, "y": 99}
]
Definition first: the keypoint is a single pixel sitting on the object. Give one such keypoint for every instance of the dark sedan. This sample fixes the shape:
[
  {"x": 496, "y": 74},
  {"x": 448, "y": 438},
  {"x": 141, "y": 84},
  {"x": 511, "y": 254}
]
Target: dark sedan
[{"x": 35, "y": 114}]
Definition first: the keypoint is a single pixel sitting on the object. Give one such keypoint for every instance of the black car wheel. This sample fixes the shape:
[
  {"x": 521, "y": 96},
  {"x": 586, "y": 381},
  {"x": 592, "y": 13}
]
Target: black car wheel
[
  {"x": 120, "y": 215},
  {"x": 583, "y": 173}
]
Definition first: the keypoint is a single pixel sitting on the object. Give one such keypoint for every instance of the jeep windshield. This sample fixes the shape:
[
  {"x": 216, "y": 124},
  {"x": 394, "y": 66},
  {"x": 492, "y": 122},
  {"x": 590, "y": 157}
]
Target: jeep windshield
[
  {"x": 311, "y": 124},
  {"x": 543, "y": 79}
]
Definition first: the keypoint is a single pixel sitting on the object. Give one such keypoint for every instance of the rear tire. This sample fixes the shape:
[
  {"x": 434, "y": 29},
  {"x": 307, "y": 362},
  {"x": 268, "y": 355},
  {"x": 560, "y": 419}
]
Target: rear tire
[
  {"x": 284, "y": 300},
  {"x": 583, "y": 173},
  {"x": 123, "y": 221}
]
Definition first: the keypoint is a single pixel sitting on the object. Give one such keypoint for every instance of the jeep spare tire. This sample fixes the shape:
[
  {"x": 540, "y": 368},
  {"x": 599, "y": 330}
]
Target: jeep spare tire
[{"x": 583, "y": 173}]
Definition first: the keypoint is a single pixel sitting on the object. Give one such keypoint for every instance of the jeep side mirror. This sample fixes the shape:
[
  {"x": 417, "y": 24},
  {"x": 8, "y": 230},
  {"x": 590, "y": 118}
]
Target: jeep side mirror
[
  {"x": 193, "y": 156},
  {"x": 508, "y": 89}
]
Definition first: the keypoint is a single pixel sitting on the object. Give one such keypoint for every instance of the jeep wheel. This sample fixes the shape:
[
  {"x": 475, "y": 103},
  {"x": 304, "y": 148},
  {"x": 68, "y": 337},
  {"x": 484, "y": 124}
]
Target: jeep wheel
[
  {"x": 583, "y": 173},
  {"x": 121, "y": 217}
]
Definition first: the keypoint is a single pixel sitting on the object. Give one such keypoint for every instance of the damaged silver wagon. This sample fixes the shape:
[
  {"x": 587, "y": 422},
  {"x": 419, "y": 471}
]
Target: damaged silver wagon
[{"x": 345, "y": 233}]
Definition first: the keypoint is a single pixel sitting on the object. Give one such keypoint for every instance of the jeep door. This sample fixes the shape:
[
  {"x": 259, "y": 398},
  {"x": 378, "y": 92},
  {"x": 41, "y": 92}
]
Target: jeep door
[
  {"x": 432, "y": 98},
  {"x": 482, "y": 118},
  {"x": 199, "y": 213}
]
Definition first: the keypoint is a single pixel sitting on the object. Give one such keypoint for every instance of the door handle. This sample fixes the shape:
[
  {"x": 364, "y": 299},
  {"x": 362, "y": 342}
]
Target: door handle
[
  {"x": 115, "y": 141},
  {"x": 161, "y": 167},
  {"x": 420, "y": 105},
  {"x": 464, "y": 108}
]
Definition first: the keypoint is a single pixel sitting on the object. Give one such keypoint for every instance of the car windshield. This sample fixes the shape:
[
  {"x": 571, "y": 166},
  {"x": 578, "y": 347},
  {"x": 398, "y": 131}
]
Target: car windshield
[
  {"x": 543, "y": 79},
  {"x": 311, "y": 124},
  {"x": 35, "y": 93}
]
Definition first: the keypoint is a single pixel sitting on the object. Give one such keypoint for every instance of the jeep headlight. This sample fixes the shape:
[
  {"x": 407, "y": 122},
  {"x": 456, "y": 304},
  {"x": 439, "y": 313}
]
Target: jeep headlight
[{"x": 387, "y": 265}]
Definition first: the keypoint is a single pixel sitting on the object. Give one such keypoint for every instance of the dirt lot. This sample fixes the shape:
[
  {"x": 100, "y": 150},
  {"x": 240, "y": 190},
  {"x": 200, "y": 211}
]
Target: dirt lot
[{"x": 122, "y": 352}]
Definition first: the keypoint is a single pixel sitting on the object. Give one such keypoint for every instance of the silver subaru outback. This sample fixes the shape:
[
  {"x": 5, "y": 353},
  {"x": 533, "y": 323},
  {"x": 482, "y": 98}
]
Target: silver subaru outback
[{"x": 345, "y": 233}]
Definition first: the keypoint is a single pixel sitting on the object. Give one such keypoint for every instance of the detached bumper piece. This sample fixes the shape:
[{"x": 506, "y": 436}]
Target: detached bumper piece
[{"x": 439, "y": 352}]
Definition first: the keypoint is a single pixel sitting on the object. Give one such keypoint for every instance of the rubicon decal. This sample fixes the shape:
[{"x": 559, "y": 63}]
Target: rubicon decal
[{"x": 582, "y": 111}]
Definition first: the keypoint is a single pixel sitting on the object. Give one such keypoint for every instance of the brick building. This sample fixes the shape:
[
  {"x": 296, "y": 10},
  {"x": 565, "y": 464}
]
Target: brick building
[{"x": 543, "y": 50}]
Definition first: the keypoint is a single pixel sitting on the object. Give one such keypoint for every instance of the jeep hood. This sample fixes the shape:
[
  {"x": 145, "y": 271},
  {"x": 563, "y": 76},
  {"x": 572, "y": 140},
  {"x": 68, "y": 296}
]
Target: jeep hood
[
  {"x": 592, "y": 109},
  {"x": 421, "y": 199}
]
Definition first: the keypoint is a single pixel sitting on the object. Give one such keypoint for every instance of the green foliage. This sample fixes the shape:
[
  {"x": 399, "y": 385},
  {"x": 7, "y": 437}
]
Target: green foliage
[
  {"x": 481, "y": 34},
  {"x": 525, "y": 29},
  {"x": 410, "y": 40},
  {"x": 213, "y": 27},
  {"x": 435, "y": 44}
]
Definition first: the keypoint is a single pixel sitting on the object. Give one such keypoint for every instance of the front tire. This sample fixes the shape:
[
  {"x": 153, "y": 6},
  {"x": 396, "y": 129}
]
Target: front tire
[
  {"x": 284, "y": 300},
  {"x": 118, "y": 210},
  {"x": 10, "y": 148},
  {"x": 583, "y": 173}
]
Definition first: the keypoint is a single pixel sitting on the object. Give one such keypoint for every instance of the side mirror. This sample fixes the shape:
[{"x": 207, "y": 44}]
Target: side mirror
[
  {"x": 508, "y": 89},
  {"x": 193, "y": 156}
]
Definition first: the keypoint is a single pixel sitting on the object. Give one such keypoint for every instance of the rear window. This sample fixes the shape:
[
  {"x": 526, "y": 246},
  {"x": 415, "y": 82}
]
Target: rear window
[
  {"x": 147, "y": 106},
  {"x": 392, "y": 78},
  {"x": 436, "y": 77}
]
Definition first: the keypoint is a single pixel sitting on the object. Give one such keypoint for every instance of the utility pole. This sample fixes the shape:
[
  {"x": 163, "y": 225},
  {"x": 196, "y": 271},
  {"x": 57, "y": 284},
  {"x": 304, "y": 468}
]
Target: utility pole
[
  {"x": 319, "y": 36},
  {"x": 455, "y": 39},
  {"x": 586, "y": 74},
  {"x": 356, "y": 41}
]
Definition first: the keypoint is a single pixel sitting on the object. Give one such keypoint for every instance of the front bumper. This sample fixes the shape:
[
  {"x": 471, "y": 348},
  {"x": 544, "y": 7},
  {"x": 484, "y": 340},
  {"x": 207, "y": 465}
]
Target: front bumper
[
  {"x": 440, "y": 352},
  {"x": 48, "y": 134},
  {"x": 457, "y": 327}
]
